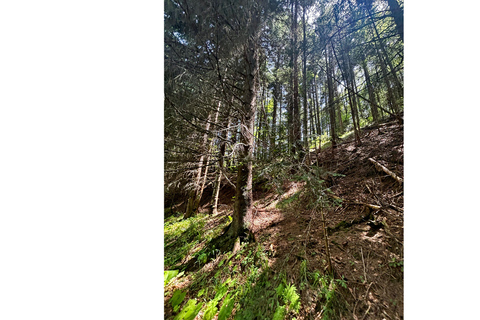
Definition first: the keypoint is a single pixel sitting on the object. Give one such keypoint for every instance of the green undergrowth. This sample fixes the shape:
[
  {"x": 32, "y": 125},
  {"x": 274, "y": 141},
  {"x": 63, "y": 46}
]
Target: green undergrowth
[
  {"x": 184, "y": 237},
  {"x": 239, "y": 287},
  {"x": 236, "y": 286}
]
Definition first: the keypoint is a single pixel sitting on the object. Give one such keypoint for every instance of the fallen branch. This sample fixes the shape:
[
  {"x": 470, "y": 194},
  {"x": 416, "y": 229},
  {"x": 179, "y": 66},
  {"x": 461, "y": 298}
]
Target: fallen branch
[
  {"x": 371, "y": 206},
  {"x": 390, "y": 173}
]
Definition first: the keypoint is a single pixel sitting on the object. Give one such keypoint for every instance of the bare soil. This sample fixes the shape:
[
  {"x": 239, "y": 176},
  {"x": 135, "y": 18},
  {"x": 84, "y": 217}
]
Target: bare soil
[{"x": 366, "y": 244}]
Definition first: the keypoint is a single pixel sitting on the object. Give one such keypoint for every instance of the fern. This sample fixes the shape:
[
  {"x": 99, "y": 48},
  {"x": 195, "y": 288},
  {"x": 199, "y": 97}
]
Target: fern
[
  {"x": 279, "y": 313},
  {"x": 226, "y": 308},
  {"x": 291, "y": 296},
  {"x": 177, "y": 299},
  {"x": 189, "y": 311},
  {"x": 210, "y": 310}
]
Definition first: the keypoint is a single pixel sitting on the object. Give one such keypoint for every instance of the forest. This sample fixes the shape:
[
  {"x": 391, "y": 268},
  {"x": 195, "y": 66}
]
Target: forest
[{"x": 283, "y": 159}]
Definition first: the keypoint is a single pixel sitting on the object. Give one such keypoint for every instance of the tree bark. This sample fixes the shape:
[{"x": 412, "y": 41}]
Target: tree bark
[
  {"x": 296, "y": 144},
  {"x": 331, "y": 104},
  {"x": 318, "y": 111},
  {"x": 305, "y": 112},
  {"x": 273, "y": 132},
  {"x": 242, "y": 213}
]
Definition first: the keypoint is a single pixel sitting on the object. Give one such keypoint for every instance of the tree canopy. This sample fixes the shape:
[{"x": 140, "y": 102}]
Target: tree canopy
[{"x": 252, "y": 82}]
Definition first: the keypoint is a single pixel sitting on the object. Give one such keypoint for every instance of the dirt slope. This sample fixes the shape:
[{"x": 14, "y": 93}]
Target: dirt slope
[{"x": 365, "y": 231}]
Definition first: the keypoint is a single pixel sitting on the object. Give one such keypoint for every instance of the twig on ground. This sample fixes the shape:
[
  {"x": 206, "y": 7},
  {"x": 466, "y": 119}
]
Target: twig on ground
[
  {"x": 366, "y": 292},
  {"x": 364, "y": 269},
  {"x": 369, "y": 306}
]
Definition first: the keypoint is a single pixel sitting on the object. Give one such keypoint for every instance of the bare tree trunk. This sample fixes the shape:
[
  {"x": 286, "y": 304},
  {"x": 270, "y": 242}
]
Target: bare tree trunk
[
  {"x": 305, "y": 86},
  {"x": 312, "y": 116},
  {"x": 296, "y": 144},
  {"x": 207, "y": 166},
  {"x": 318, "y": 111},
  {"x": 371, "y": 95},
  {"x": 192, "y": 200},
  {"x": 221, "y": 155},
  {"x": 273, "y": 132},
  {"x": 338, "y": 110},
  {"x": 347, "y": 76},
  {"x": 331, "y": 104}
]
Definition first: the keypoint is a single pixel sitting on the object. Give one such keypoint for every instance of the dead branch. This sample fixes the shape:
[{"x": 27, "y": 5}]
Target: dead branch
[{"x": 390, "y": 173}]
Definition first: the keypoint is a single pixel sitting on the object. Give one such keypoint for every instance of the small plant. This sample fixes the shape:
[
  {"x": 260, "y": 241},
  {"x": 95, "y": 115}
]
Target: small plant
[
  {"x": 342, "y": 282},
  {"x": 292, "y": 299},
  {"x": 328, "y": 287},
  {"x": 227, "y": 307},
  {"x": 177, "y": 299},
  {"x": 394, "y": 263},
  {"x": 169, "y": 275},
  {"x": 316, "y": 277},
  {"x": 202, "y": 258},
  {"x": 189, "y": 311},
  {"x": 221, "y": 292},
  {"x": 303, "y": 274},
  {"x": 279, "y": 313},
  {"x": 210, "y": 310}
]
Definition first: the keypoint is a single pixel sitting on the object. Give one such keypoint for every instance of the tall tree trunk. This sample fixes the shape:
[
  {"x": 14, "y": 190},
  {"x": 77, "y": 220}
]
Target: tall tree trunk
[
  {"x": 346, "y": 71},
  {"x": 305, "y": 86},
  {"x": 221, "y": 155},
  {"x": 397, "y": 13},
  {"x": 384, "y": 61},
  {"x": 311, "y": 111},
  {"x": 371, "y": 95},
  {"x": 356, "y": 106},
  {"x": 331, "y": 104},
  {"x": 273, "y": 132},
  {"x": 339, "y": 124},
  {"x": 266, "y": 124},
  {"x": 259, "y": 129},
  {"x": 242, "y": 213},
  {"x": 207, "y": 166},
  {"x": 234, "y": 138},
  {"x": 318, "y": 111},
  {"x": 192, "y": 200},
  {"x": 296, "y": 143}
]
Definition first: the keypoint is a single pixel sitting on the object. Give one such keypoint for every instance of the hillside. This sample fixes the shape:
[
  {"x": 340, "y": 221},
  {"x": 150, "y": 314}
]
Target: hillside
[{"x": 284, "y": 273}]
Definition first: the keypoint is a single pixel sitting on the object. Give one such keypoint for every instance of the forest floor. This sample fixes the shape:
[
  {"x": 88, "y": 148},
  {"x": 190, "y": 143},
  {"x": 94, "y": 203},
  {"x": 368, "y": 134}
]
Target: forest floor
[{"x": 365, "y": 236}]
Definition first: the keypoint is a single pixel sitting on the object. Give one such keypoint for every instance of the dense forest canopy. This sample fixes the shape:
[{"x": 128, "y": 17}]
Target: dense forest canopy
[{"x": 252, "y": 83}]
